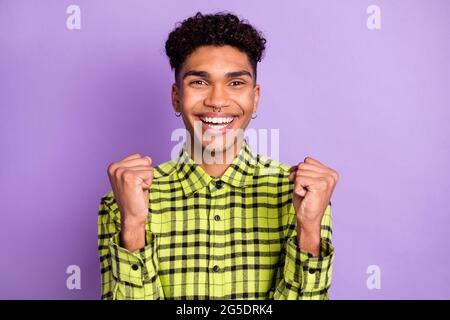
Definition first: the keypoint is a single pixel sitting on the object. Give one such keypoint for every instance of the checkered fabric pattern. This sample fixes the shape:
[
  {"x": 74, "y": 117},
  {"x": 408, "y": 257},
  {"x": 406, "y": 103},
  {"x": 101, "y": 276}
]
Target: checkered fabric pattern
[{"x": 233, "y": 237}]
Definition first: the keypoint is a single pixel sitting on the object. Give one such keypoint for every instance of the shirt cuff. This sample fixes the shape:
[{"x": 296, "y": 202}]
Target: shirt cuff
[
  {"x": 309, "y": 273},
  {"x": 133, "y": 268}
]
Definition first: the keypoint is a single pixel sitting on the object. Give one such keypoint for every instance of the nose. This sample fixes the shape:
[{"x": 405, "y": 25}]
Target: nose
[{"x": 217, "y": 98}]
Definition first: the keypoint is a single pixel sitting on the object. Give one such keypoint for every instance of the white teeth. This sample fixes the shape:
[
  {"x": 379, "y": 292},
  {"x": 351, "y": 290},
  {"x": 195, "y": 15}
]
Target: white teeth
[
  {"x": 217, "y": 120},
  {"x": 217, "y": 126}
]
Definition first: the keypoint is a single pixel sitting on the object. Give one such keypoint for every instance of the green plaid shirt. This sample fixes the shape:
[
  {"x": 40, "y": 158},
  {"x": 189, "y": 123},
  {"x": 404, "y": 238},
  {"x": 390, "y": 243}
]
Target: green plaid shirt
[{"x": 233, "y": 237}]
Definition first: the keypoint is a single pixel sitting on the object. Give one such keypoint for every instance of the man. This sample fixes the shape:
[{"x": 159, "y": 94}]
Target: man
[{"x": 237, "y": 227}]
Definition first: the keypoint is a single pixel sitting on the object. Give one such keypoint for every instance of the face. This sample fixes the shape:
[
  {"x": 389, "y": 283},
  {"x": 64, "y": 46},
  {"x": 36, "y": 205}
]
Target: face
[{"x": 216, "y": 95}]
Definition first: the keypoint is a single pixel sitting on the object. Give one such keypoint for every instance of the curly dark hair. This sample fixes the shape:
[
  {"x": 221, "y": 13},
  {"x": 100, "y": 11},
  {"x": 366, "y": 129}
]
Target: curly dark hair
[{"x": 217, "y": 29}]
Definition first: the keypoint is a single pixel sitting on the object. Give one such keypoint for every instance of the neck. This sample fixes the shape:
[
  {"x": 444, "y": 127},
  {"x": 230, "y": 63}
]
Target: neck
[
  {"x": 215, "y": 170},
  {"x": 221, "y": 159}
]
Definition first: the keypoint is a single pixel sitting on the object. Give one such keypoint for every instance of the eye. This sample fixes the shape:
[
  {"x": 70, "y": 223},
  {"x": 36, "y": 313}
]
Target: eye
[
  {"x": 236, "y": 83},
  {"x": 198, "y": 82}
]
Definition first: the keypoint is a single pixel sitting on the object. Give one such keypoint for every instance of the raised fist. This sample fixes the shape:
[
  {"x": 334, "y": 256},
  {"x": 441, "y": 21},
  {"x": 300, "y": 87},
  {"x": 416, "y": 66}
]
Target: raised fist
[{"x": 131, "y": 179}]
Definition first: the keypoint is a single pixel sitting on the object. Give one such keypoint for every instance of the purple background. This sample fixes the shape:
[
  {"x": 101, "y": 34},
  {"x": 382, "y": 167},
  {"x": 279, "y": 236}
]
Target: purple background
[{"x": 373, "y": 104}]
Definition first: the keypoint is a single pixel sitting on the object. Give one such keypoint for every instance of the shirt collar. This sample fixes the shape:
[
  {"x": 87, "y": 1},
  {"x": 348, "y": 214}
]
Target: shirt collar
[{"x": 238, "y": 174}]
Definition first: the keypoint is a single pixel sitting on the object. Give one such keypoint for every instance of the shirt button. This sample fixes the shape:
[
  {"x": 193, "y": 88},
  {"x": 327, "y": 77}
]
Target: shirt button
[
  {"x": 312, "y": 270},
  {"x": 217, "y": 217},
  {"x": 216, "y": 268},
  {"x": 134, "y": 267},
  {"x": 219, "y": 184}
]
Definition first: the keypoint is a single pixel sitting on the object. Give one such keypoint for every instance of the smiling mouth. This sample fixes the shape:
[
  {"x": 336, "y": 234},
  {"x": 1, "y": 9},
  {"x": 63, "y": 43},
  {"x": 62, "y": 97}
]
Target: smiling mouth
[{"x": 217, "y": 123}]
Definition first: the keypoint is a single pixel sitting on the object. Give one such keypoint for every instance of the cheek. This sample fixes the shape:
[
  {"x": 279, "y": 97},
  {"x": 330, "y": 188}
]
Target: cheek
[
  {"x": 192, "y": 97},
  {"x": 190, "y": 94},
  {"x": 246, "y": 102}
]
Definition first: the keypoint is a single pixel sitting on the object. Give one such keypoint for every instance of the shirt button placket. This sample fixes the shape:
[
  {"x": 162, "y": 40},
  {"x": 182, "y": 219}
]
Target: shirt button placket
[{"x": 217, "y": 239}]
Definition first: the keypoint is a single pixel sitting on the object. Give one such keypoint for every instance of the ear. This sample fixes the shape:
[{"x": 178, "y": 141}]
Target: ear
[
  {"x": 176, "y": 98},
  {"x": 257, "y": 94}
]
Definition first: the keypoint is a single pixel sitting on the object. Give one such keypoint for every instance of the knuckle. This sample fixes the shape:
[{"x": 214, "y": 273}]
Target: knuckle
[
  {"x": 336, "y": 176},
  {"x": 331, "y": 179},
  {"x": 111, "y": 168},
  {"x": 119, "y": 171},
  {"x": 128, "y": 176}
]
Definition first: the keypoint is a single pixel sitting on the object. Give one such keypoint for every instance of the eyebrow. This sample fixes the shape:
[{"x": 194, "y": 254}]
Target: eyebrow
[{"x": 204, "y": 74}]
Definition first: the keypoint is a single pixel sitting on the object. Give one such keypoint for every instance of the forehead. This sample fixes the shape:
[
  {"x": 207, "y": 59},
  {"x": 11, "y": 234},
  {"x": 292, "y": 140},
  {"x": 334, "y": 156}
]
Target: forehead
[{"x": 217, "y": 60}]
